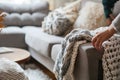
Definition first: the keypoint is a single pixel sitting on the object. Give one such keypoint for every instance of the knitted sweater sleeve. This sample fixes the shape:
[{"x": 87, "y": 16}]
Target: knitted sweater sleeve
[
  {"x": 108, "y": 6},
  {"x": 116, "y": 23}
]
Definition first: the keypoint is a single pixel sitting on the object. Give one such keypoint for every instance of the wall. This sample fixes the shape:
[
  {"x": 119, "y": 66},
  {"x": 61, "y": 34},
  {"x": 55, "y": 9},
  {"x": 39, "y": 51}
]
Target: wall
[{"x": 57, "y": 3}]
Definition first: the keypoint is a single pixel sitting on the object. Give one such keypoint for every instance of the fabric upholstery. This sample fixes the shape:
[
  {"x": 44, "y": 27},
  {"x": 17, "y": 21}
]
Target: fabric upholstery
[
  {"x": 92, "y": 61},
  {"x": 40, "y": 41},
  {"x": 24, "y": 19},
  {"x": 46, "y": 61},
  {"x": 24, "y": 14},
  {"x": 55, "y": 50},
  {"x": 12, "y": 36}
]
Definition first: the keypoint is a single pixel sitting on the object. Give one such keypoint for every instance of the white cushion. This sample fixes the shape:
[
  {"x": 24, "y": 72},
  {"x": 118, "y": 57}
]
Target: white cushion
[
  {"x": 91, "y": 16},
  {"x": 12, "y": 30},
  {"x": 55, "y": 50}
]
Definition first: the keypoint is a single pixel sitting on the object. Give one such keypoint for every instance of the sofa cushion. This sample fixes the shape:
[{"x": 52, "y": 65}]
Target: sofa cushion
[
  {"x": 11, "y": 29},
  {"x": 12, "y": 36},
  {"x": 32, "y": 13},
  {"x": 40, "y": 41},
  {"x": 24, "y": 19},
  {"x": 55, "y": 50}
]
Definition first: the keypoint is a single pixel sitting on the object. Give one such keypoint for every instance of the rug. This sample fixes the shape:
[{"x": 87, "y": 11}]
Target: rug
[{"x": 34, "y": 73}]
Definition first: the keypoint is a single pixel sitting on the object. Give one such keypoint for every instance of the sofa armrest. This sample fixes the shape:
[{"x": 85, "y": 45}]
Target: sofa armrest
[{"x": 87, "y": 63}]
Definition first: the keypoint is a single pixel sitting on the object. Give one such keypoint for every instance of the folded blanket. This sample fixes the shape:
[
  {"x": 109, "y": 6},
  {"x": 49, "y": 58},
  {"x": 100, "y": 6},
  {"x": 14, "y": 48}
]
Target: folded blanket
[{"x": 64, "y": 65}]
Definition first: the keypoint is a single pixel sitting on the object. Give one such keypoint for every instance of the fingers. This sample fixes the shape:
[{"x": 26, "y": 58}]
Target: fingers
[
  {"x": 97, "y": 41},
  {"x": 108, "y": 21},
  {"x": 96, "y": 44},
  {"x": 112, "y": 17},
  {"x": 94, "y": 39},
  {"x": 100, "y": 45}
]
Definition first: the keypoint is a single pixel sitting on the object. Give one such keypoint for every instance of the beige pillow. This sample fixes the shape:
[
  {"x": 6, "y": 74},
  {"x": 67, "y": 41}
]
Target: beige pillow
[{"x": 91, "y": 16}]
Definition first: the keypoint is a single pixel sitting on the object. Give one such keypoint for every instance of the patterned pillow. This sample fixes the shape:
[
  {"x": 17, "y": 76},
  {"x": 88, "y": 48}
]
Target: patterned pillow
[
  {"x": 61, "y": 20},
  {"x": 10, "y": 70}
]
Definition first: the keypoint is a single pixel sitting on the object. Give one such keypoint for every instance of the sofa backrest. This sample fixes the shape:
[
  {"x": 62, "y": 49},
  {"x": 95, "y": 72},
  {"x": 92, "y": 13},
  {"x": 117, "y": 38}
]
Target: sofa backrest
[{"x": 25, "y": 14}]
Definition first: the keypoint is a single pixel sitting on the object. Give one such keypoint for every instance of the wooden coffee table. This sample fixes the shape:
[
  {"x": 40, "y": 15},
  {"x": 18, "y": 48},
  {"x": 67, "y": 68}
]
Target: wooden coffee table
[{"x": 18, "y": 55}]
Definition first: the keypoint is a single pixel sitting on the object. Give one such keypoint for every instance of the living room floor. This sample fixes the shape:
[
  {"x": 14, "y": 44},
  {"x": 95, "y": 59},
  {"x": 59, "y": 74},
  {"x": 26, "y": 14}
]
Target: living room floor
[{"x": 41, "y": 67}]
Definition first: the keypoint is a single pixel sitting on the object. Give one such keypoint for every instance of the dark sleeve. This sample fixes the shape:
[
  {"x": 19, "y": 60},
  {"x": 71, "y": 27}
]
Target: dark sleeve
[{"x": 108, "y": 6}]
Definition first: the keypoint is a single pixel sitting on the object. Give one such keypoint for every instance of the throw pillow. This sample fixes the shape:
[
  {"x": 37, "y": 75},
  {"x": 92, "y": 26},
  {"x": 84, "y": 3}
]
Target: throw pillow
[
  {"x": 10, "y": 70},
  {"x": 91, "y": 16},
  {"x": 61, "y": 20}
]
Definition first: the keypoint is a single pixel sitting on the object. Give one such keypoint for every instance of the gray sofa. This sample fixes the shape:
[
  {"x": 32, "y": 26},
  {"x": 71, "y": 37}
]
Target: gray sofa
[
  {"x": 18, "y": 16},
  {"x": 23, "y": 31}
]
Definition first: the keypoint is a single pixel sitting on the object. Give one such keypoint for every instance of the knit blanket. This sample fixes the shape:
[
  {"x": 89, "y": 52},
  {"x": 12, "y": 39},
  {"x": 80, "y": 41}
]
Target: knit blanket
[
  {"x": 10, "y": 70},
  {"x": 111, "y": 58},
  {"x": 64, "y": 65}
]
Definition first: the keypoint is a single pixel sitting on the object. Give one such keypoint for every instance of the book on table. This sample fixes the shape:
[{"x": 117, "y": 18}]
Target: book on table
[{"x": 5, "y": 50}]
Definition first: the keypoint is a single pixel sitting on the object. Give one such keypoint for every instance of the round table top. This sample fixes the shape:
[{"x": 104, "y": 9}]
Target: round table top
[{"x": 18, "y": 55}]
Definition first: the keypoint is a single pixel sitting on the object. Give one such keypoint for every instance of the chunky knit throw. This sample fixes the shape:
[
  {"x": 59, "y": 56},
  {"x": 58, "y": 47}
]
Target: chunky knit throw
[
  {"x": 111, "y": 59},
  {"x": 9, "y": 70},
  {"x": 64, "y": 64}
]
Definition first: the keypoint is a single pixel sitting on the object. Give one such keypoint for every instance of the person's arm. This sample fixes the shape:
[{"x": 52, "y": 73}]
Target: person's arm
[
  {"x": 116, "y": 23},
  {"x": 108, "y": 6}
]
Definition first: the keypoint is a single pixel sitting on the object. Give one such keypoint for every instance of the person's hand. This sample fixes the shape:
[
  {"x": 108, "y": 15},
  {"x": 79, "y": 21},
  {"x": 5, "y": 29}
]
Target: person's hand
[
  {"x": 99, "y": 38},
  {"x": 110, "y": 19}
]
